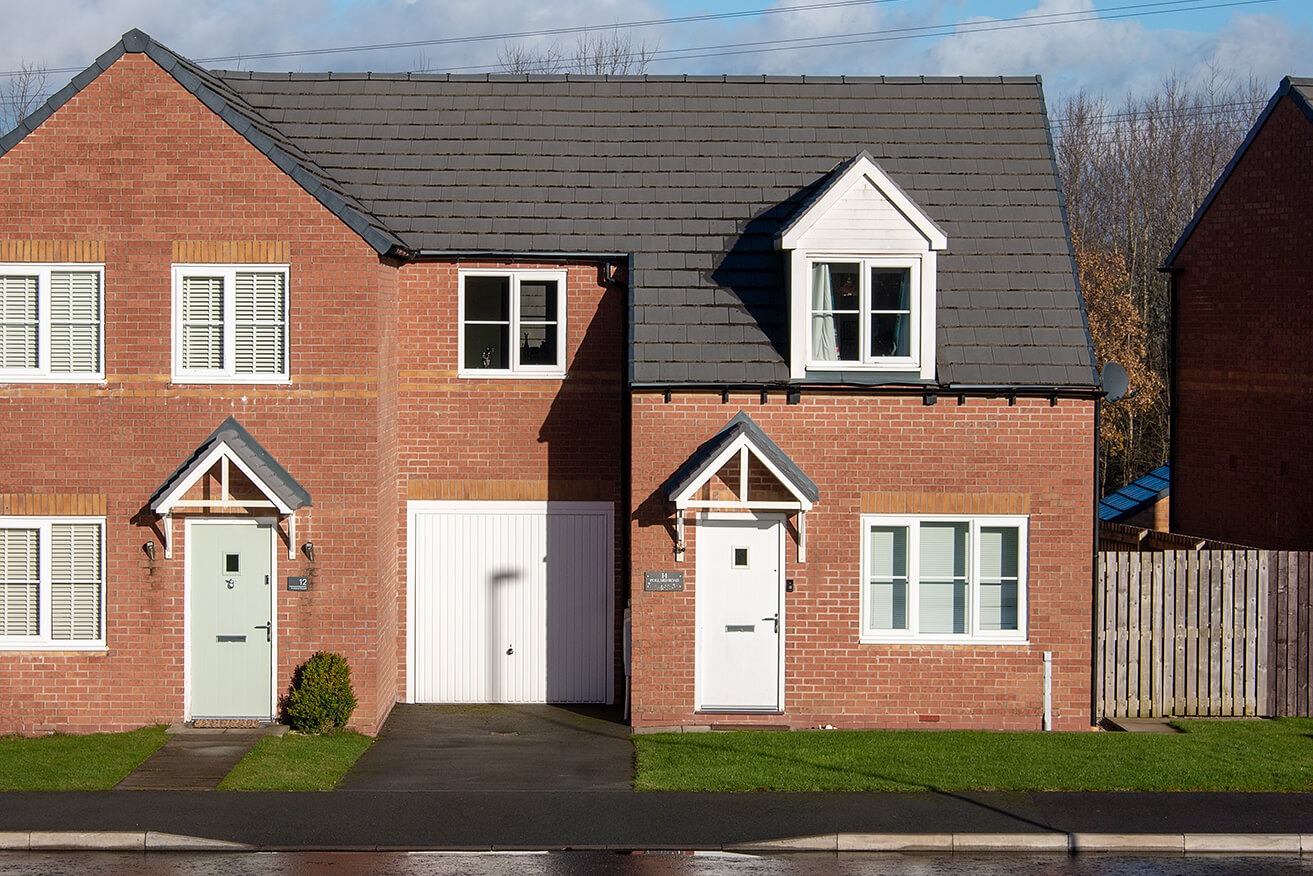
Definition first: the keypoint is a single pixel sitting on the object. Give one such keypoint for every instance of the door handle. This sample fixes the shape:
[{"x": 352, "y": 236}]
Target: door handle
[
  {"x": 268, "y": 630},
  {"x": 776, "y": 619}
]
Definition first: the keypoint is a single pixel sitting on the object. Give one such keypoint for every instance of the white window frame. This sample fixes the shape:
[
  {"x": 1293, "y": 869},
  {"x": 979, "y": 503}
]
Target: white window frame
[
  {"x": 973, "y": 634},
  {"x": 42, "y": 373},
  {"x": 42, "y": 641},
  {"x": 228, "y": 373},
  {"x": 920, "y": 301},
  {"x": 515, "y": 369}
]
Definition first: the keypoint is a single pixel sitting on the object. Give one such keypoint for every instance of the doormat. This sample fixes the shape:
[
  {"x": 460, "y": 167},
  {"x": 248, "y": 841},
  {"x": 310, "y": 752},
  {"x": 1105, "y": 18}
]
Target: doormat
[{"x": 226, "y": 724}]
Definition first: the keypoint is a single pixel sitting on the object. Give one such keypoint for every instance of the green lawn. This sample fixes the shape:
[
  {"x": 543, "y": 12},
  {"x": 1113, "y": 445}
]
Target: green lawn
[
  {"x": 297, "y": 763},
  {"x": 74, "y": 763},
  {"x": 1236, "y": 754}
]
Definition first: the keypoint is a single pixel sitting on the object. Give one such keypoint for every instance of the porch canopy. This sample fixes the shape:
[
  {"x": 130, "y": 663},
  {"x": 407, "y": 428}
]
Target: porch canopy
[
  {"x": 259, "y": 484},
  {"x": 741, "y": 469}
]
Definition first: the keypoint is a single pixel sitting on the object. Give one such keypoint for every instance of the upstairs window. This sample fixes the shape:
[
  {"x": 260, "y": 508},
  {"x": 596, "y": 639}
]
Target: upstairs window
[
  {"x": 51, "y": 322},
  {"x": 862, "y": 280},
  {"x": 512, "y": 323},
  {"x": 863, "y": 312},
  {"x": 943, "y": 579},
  {"x": 230, "y": 323},
  {"x": 52, "y": 581}
]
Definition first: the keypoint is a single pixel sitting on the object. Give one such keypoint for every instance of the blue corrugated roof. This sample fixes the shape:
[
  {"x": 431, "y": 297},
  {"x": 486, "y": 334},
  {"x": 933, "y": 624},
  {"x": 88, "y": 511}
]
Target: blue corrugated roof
[{"x": 1137, "y": 495}]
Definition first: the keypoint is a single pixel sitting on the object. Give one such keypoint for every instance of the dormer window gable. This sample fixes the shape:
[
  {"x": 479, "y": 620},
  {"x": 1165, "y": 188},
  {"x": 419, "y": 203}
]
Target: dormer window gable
[{"x": 862, "y": 261}]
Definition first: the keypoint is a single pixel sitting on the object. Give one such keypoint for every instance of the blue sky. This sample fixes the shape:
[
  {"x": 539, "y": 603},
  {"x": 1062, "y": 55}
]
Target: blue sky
[{"x": 1106, "y": 47}]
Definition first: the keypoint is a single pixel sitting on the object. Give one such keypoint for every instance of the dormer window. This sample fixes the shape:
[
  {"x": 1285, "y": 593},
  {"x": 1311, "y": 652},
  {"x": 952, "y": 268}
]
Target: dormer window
[
  {"x": 863, "y": 312},
  {"x": 862, "y": 279}
]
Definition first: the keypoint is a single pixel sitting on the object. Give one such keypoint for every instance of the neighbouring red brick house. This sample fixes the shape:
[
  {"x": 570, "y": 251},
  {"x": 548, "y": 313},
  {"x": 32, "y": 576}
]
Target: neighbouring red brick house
[
  {"x": 445, "y": 373},
  {"x": 1241, "y": 281}
]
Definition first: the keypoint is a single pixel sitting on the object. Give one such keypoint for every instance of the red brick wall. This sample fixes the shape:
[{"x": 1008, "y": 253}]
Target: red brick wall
[
  {"x": 137, "y": 163},
  {"x": 507, "y": 439},
  {"x": 1029, "y": 453},
  {"x": 1241, "y": 470}
]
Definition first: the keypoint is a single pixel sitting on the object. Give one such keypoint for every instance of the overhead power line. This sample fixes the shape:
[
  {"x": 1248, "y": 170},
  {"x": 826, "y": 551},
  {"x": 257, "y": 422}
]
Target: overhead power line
[{"x": 1133, "y": 10}]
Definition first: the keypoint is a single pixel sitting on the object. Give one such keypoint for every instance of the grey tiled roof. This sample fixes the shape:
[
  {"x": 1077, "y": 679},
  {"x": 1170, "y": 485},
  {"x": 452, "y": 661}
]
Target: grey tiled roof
[
  {"x": 692, "y": 178},
  {"x": 248, "y": 450}
]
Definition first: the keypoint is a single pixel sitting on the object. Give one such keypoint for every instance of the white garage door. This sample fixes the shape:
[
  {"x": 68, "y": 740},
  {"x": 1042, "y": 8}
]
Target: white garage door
[{"x": 511, "y": 602}]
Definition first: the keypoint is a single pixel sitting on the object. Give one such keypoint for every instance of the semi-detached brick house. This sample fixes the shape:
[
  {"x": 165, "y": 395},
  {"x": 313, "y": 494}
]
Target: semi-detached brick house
[
  {"x": 1241, "y": 407},
  {"x": 445, "y": 372}
]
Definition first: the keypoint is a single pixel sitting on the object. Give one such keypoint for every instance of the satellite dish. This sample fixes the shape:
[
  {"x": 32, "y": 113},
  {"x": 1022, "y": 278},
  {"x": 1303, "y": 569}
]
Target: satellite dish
[{"x": 1115, "y": 382}]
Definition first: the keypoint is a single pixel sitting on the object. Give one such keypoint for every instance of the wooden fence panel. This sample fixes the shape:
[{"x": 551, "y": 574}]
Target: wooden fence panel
[{"x": 1195, "y": 633}]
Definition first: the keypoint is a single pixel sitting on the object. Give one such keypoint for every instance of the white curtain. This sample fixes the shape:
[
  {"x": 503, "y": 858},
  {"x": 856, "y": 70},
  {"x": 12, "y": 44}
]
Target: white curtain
[{"x": 824, "y": 345}]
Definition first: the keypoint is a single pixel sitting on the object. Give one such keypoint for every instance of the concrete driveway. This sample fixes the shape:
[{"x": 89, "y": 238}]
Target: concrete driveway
[{"x": 497, "y": 748}]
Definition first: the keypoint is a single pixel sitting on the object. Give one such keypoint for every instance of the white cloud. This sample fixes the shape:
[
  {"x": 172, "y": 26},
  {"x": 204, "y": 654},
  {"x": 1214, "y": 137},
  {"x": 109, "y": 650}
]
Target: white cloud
[
  {"x": 1103, "y": 56},
  {"x": 1114, "y": 57}
]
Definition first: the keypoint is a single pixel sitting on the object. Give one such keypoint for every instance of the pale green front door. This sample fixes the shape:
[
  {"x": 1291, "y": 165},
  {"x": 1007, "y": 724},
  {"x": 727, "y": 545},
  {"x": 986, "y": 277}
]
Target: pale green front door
[{"x": 231, "y": 620}]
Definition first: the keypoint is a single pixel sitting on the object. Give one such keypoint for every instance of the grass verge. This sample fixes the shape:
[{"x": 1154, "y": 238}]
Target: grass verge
[
  {"x": 297, "y": 763},
  {"x": 1210, "y": 755},
  {"x": 94, "y": 762}
]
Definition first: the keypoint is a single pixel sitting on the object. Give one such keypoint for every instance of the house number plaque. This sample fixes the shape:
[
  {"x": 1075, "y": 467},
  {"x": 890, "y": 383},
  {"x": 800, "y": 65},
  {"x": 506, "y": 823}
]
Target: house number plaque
[
  {"x": 663, "y": 581},
  {"x": 298, "y": 582}
]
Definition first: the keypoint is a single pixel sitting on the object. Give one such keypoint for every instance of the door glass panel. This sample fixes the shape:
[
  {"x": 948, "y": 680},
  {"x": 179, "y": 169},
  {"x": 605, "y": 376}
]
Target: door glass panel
[
  {"x": 232, "y": 563},
  {"x": 740, "y": 558}
]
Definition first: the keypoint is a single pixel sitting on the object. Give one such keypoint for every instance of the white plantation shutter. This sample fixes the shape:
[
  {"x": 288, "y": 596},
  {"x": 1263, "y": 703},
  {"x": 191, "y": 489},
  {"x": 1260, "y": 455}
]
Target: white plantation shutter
[
  {"x": 19, "y": 325},
  {"x": 75, "y": 565},
  {"x": 202, "y": 322},
  {"x": 74, "y": 322},
  {"x": 20, "y": 572},
  {"x": 944, "y": 577},
  {"x": 887, "y": 578},
  {"x": 260, "y": 323},
  {"x": 999, "y": 577}
]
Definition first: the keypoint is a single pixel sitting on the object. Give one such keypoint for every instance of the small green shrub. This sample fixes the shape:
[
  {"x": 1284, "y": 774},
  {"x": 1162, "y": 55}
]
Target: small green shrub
[{"x": 321, "y": 697}]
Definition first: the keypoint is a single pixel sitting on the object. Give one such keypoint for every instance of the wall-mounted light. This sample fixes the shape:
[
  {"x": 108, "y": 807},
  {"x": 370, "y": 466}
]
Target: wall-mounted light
[
  {"x": 309, "y": 550},
  {"x": 149, "y": 548}
]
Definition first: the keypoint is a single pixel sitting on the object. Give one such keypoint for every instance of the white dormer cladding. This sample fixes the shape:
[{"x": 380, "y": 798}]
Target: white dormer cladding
[{"x": 862, "y": 279}]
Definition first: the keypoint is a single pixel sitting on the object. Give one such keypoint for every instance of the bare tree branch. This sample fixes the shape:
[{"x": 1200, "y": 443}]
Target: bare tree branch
[
  {"x": 22, "y": 94},
  {"x": 598, "y": 54},
  {"x": 1133, "y": 177}
]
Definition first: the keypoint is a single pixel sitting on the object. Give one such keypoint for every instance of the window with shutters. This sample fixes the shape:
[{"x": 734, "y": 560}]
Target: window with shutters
[
  {"x": 943, "y": 579},
  {"x": 230, "y": 323},
  {"x": 51, "y": 324},
  {"x": 52, "y": 583}
]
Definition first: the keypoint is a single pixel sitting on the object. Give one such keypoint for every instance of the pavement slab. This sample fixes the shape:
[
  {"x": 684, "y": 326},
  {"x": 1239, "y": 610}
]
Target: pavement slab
[{"x": 195, "y": 759}]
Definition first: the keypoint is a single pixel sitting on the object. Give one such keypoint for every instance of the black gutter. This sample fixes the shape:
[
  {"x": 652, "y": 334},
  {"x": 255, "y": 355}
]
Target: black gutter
[{"x": 899, "y": 389}]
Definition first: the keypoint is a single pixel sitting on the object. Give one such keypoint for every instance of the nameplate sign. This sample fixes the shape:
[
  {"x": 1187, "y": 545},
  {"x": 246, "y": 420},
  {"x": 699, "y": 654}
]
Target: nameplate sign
[{"x": 666, "y": 581}]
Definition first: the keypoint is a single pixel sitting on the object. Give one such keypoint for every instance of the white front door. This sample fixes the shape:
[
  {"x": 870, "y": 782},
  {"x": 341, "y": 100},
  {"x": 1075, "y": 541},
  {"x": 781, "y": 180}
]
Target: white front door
[
  {"x": 230, "y": 570},
  {"x": 740, "y": 620}
]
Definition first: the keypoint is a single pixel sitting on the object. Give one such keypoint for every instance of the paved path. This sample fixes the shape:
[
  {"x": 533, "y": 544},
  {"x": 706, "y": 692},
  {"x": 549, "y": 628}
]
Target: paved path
[
  {"x": 194, "y": 759},
  {"x": 497, "y": 748}
]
